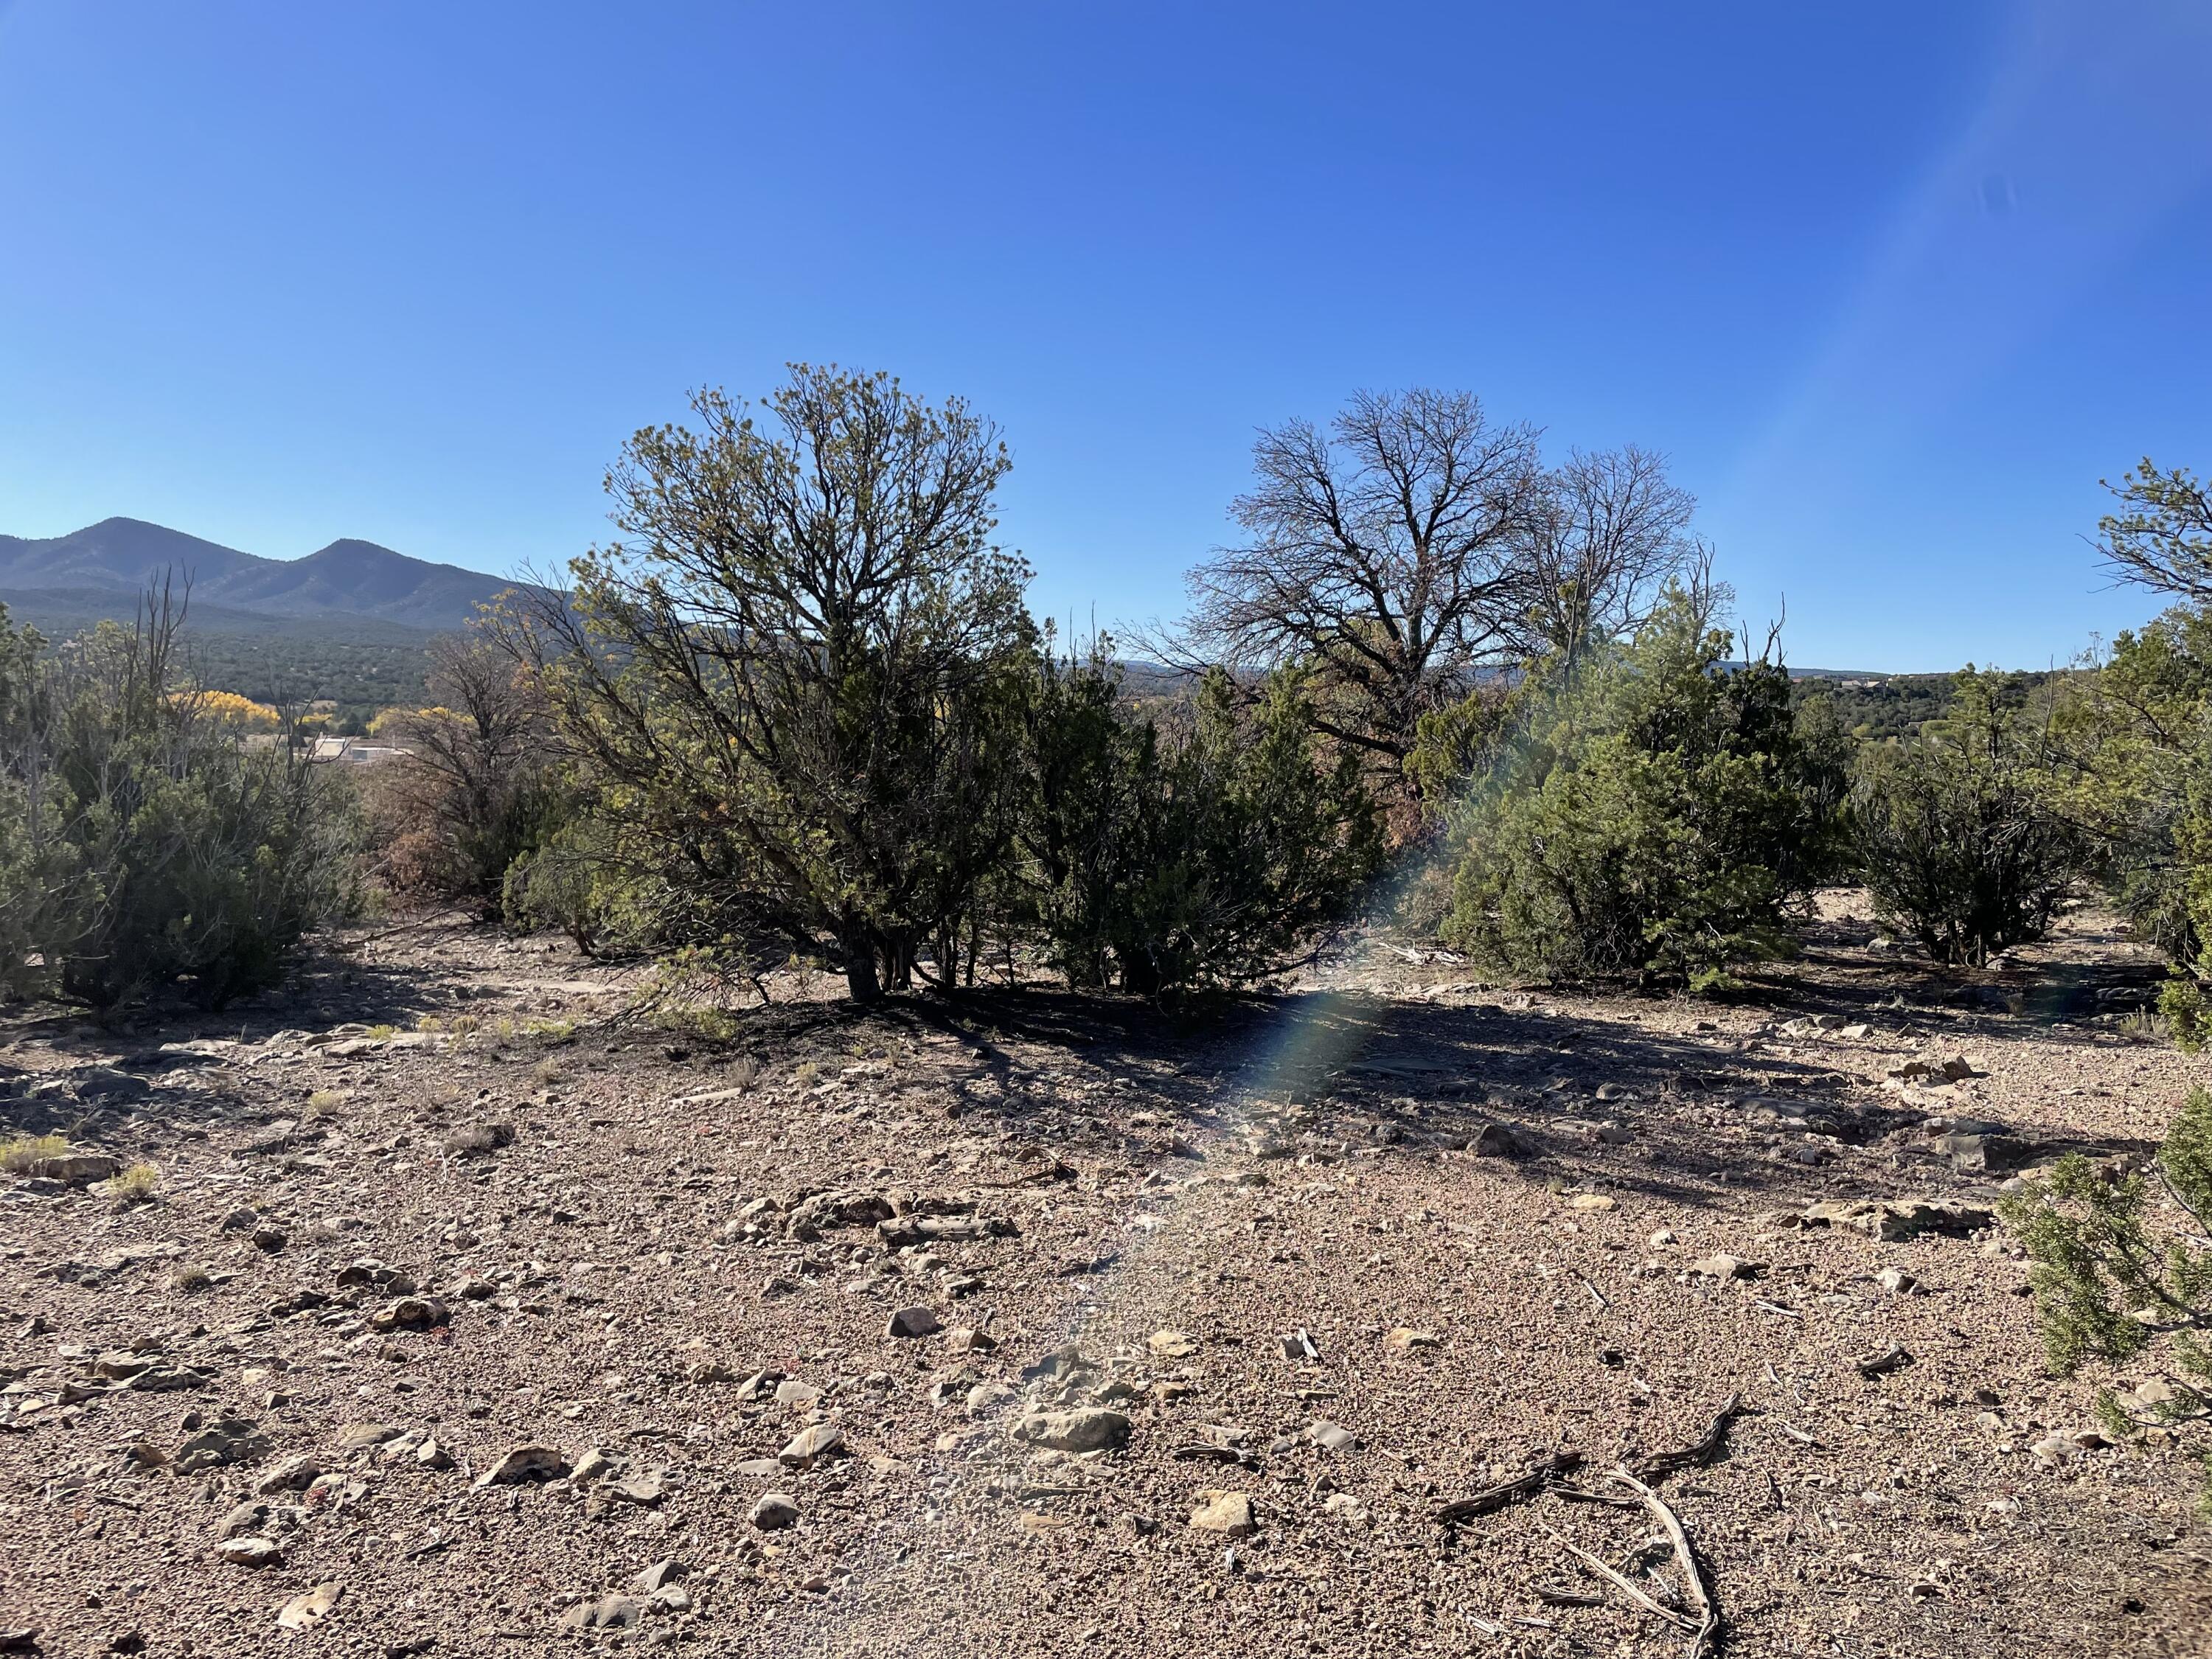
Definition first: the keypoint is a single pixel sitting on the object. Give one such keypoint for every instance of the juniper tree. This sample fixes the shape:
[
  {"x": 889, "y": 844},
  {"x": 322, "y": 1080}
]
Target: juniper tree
[{"x": 2124, "y": 1270}]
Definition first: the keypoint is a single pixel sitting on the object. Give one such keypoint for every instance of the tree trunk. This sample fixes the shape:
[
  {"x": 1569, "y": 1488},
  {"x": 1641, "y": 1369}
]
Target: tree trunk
[{"x": 860, "y": 980}]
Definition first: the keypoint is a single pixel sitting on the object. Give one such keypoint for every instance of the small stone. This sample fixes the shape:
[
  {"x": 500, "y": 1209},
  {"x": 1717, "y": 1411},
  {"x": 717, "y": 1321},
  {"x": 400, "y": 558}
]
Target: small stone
[
  {"x": 250, "y": 1552},
  {"x": 1332, "y": 1437},
  {"x": 1227, "y": 1512},
  {"x": 912, "y": 1322},
  {"x": 1893, "y": 1357},
  {"x": 309, "y": 1608},
  {"x": 1663, "y": 1238},
  {"x": 1171, "y": 1345},
  {"x": 1896, "y": 1280},
  {"x": 1724, "y": 1265},
  {"x": 359, "y": 1436},
  {"x": 775, "y": 1511},
  {"x": 432, "y": 1456}
]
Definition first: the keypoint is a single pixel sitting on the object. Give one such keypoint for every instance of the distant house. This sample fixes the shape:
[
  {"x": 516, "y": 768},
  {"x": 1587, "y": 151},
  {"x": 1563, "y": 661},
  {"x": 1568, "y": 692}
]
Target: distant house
[{"x": 353, "y": 751}]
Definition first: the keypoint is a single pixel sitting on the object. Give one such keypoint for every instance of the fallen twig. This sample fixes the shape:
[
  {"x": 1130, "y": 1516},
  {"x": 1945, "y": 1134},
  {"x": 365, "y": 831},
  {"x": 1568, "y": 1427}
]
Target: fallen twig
[
  {"x": 1512, "y": 1492},
  {"x": 1708, "y": 1626},
  {"x": 1565, "y": 1598},
  {"x": 1660, "y": 1464},
  {"x": 1627, "y": 1586}
]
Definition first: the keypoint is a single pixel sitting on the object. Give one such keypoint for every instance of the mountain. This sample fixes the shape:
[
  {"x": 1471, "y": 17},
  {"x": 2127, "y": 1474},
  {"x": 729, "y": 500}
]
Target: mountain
[{"x": 106, "y": 566}]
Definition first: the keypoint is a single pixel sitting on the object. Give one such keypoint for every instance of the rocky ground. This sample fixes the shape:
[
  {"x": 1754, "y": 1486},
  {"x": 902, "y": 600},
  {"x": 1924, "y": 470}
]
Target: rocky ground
[{"x": 1401, "y": 1315}]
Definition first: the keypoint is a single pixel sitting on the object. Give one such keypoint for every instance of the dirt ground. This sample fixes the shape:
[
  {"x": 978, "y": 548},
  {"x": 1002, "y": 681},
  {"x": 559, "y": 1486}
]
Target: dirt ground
[{"x": 467, "y": 1317}]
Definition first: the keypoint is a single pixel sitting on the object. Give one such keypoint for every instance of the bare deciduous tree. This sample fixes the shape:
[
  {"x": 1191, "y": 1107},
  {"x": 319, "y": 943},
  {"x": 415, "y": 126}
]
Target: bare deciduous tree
[
  {"x": 1604, "y": 535},
  {"x": 1415, "y": 542},
  {"x": 475, "y": 790}
]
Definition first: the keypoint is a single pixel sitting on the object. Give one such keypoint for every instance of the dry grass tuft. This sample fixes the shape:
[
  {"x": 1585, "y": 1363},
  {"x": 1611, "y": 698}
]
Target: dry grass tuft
[{"x": 137, "y": 1185}]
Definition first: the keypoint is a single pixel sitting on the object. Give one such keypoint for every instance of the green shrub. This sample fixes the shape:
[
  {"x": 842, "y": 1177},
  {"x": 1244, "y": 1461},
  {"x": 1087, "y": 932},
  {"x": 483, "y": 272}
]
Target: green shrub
[
  {"x": 2181, "y": 1005},
  {"x": 2123, "y": 1267},
  {"x": 1208, "y": 854},
  {"x": 1958, "y": 836},
  {"x": 791, "y": 688},
  {"x": 1657, "y": 812},
  {"x": 145, "y": 845}
]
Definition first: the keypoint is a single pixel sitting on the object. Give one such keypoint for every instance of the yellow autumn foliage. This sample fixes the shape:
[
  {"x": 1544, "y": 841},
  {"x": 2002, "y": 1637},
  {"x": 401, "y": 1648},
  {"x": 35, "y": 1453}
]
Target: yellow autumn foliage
[{"x": 233, "y": 707}]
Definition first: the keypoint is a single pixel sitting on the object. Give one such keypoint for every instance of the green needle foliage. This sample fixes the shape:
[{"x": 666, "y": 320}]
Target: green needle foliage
[
  {"x": 1958, "y": 837},
  {"x": 1200, "y": 855},
  {"x": 143, "y": 841},
  {"x": 2115, "y": 1281},
  {"x": 1657, "y": 812}
]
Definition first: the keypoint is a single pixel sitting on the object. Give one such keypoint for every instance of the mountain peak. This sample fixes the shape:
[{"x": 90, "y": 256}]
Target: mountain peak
[
  {"x": 352, "y": 547},
  {"x": 350, "y": 578}
]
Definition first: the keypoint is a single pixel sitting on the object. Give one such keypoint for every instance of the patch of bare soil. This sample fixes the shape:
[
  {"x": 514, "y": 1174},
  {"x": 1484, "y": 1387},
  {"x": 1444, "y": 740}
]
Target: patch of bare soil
[{"x": 1396, "y": 1315}]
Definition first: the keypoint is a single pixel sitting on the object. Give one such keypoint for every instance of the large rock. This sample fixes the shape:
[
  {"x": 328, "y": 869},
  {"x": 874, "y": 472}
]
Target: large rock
[
  {"x": 1225, "y": 1512},
  {"x": 914, "y": 1321},
  {"x": 1086, "y": 1428},
  {"x": 410, "y": 1313},
  {"x": 811, "y": 1445},
  {"x": 233, "y": 1440},
  {"x": 521, "y": 1463},
  {"x": 614, "y": 1611},
  {"x": 775, "y": 1511},
  {"x": 75, "y": 1169}
]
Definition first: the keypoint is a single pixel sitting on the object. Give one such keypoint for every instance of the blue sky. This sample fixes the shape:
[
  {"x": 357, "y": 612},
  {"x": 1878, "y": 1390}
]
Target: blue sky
[{"x": 1893, "y": 285}]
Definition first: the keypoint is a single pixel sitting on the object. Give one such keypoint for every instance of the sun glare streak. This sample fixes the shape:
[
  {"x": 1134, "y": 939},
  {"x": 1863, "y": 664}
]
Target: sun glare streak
[
  {"x": 1315, "y": 1034},
  {"x": 2005, "y": 229}
]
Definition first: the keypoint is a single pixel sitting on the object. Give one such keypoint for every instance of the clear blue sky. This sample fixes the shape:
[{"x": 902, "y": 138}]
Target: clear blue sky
[{"x": 1893, "y": 284}]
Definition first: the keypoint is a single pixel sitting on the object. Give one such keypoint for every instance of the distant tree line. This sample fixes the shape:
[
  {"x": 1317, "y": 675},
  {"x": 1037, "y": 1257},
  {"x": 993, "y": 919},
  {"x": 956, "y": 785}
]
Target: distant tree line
[{"x": 799, "y": 707}]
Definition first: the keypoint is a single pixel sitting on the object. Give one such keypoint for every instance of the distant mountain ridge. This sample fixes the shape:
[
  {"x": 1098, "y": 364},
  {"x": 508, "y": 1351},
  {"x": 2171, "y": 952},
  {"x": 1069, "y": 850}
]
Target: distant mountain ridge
[{"x": 110, "y": 563}]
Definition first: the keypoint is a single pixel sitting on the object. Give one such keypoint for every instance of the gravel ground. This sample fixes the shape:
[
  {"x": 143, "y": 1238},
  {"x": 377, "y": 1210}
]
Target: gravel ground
[{"x": 1039, "y": 1325}]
